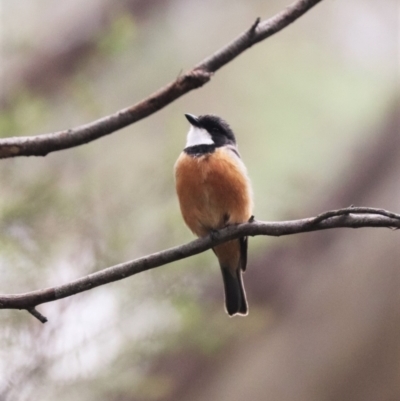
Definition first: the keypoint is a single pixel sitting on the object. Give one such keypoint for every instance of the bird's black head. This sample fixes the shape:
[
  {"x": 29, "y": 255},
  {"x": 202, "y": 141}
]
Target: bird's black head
[{"x": 219, "y": 130}]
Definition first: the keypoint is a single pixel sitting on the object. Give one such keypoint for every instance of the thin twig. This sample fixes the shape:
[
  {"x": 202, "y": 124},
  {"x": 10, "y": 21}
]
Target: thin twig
[
  {"x": 41, "y": 145},
  {"x": 356, "y": 217},
  {"x": 38, "y": 315},
  {"x": 354, "y": 210}
]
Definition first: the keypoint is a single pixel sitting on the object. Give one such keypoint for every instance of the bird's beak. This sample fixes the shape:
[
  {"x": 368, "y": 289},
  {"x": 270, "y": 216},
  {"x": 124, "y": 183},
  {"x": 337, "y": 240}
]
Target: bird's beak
[{"x": 193, "y": 120}]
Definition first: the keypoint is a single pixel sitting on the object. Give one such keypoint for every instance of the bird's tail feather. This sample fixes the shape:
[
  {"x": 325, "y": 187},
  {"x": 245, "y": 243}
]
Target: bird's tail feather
[{"x": 235, "y": 295}]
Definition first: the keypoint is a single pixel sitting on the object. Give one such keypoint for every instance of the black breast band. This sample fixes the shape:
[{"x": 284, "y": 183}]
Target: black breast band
[{"x": 199, "y": 150}]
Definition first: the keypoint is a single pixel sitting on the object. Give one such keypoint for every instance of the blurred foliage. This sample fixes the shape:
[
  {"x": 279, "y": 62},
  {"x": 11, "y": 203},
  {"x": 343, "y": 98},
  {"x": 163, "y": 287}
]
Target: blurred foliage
[
  {"x": 119, "y": 37},
  {"x": 296, "y": 102},
  {"x": 27, "y": 111}
]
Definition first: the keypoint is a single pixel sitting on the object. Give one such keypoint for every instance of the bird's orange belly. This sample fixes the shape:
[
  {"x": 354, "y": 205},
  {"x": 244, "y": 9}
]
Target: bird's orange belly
[{"x": 213, "y": 191}]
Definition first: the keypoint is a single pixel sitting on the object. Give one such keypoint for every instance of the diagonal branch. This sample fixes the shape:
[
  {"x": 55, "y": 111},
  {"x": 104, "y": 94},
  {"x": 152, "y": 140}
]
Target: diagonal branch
[
  {"x": 351, "y": 217},
  {"x": 41, "y": 145}
]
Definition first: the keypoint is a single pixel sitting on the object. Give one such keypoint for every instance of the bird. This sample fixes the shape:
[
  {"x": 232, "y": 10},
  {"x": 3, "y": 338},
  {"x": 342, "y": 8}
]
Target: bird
[{"x": 214, "y": 191}]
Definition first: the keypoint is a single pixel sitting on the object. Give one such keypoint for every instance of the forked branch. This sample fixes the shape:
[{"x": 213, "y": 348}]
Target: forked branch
[
  {"x": 41, "y": 145},
  {"x": 352, "y": 217}
]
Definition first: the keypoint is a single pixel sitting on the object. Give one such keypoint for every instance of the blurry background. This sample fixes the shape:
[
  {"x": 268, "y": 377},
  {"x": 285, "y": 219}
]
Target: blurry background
[{"x": 316, "y": 113}]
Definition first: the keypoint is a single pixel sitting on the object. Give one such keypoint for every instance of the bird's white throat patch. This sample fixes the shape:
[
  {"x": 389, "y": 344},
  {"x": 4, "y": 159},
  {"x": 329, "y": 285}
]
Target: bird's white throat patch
[{"x": 198, "y": 136}]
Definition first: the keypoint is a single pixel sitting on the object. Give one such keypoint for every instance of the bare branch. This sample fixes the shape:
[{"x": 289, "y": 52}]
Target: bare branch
[
  {"x": 354, "y": 210},
  {"x": 41, "y": 145},
  {"x": 351, "y": 217},
  {"x": 37, "y": 315}
]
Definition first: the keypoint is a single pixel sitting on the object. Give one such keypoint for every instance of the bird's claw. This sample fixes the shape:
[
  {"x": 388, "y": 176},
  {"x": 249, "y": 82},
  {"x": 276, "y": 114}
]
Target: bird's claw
[{"x": 213, "y": 234}]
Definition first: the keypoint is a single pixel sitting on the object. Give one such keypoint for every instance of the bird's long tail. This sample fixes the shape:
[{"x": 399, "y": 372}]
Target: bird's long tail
[
  {"x": 232, "y": 256},
  {"x": 235, "y": 296}
]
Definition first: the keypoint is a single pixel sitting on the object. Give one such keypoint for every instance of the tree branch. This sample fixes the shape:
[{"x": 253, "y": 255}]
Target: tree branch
[
  {"x": 352, "y": 217},
  {"x": 41, "y": 145},
  {"x": 37, "y": 315}
]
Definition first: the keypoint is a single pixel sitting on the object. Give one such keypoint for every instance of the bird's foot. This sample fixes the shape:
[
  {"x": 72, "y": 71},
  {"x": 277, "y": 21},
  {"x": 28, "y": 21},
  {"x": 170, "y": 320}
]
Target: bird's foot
[{"x": 214, "y": 234}]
